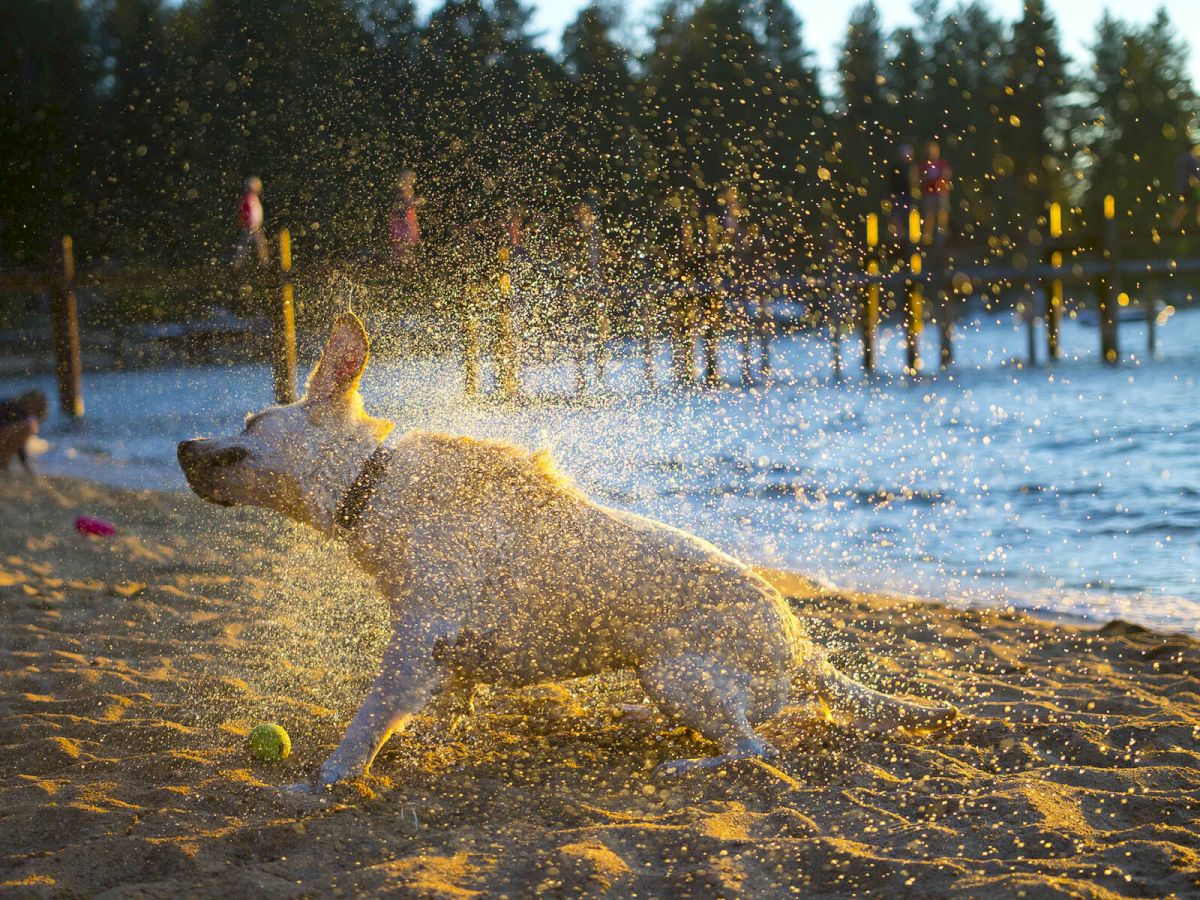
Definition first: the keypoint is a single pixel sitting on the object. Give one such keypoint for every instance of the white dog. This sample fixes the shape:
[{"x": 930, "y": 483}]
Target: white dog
[{"x": 499, "y": 571}]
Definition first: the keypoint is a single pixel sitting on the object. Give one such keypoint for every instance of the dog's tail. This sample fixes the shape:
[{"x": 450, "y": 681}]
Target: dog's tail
[{"x": 873, "y": 711}]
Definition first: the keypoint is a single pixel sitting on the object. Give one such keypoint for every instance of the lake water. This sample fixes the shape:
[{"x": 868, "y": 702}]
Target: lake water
[{"x": 1072, "y": 490}]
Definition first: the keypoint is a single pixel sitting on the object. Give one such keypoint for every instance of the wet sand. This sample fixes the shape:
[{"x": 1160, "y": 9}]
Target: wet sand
[{"x": 134, "y": 665}]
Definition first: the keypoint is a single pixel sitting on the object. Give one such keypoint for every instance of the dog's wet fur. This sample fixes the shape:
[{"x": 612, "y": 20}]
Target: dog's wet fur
[{"x": 499, "y": 570}]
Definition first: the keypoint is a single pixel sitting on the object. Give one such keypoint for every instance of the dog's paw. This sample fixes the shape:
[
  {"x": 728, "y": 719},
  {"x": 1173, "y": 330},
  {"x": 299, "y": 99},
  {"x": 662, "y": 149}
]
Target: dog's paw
[
  {"x": 331, "y": 773},
  {"x": 304, "y": 794}
]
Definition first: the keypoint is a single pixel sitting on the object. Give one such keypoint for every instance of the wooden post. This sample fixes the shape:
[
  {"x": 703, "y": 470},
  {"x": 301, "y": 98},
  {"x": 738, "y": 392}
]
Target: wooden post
[
  {"x": 870, "y": 310},
  {"x": 1150, "y": 303},
  {"x": 683, "y": 337},
  {"x": 835, "y": 339},
  {"x": 1110, "y": 286},
  {"x": 712, "y": 300},
  {"x": 1054, "y": 286},
  {"x": 1030, "y": 312},
  {"x": 283, "y": 357},
  {"x": 471, "y": 343},
  {"x": 648, "y": 348},
  {"x": 64, "y": 322},
  {"x": 945, "y": 324},
  {"x": 913, "y": 300},
  {"x": 506, "y": 341},
  {"x": 943, "y": 297}
]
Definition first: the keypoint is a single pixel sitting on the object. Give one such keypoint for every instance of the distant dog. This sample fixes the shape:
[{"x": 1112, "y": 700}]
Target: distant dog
[
  {"x": 20, "y": 418},
  {"x": 499, "y": 571}
]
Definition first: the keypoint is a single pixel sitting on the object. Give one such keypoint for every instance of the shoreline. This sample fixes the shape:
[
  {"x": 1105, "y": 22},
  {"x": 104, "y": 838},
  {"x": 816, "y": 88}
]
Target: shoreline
[{"x": 134, "y": 666}]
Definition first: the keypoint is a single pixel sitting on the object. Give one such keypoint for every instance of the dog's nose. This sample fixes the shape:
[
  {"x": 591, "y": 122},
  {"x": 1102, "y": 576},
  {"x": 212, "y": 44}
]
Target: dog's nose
[
  {"x": 190, "y": 450},
  {"x": 187, "y": 450}
]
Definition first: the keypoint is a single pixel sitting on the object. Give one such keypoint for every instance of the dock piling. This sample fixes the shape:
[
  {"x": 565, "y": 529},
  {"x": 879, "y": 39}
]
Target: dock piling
[
  {"x": 65, "y": 325},
  {"x": 913, "y": 300},
  {"x": 870, "y": 309},
  {"x": 506, "y": 340},
  {"x": 1110, "y": 286},
  {"x": 283, "y": 356},
  {"x": 1054, "y": 286}
]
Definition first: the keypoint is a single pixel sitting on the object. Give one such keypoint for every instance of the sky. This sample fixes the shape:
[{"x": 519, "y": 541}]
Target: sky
[{"x": 825, "y": 20}]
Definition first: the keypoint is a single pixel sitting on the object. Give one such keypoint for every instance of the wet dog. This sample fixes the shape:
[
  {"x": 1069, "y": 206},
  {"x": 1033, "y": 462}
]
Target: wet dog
[
  {"x": 499, "y": 571},
  {"x": 20, "y": 419}
]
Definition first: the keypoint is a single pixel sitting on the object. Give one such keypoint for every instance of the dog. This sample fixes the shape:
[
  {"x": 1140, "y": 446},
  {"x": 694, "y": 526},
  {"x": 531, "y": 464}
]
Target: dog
[
  {"x": 20, "y": 419},
  {"x": 499, "y": 571}
]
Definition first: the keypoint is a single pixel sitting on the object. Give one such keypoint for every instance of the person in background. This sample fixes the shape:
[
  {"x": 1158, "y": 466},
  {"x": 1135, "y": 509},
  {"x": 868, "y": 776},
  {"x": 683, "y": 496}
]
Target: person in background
[
  {"x": 934, "y": 180},
  {"x": 404, "y": 227},
  {"x": 250, "y": 218},
  {"x": 901, "y": 186},
  {"x": 1188, "y": 184},
  {"x": 591, "y": 307}
]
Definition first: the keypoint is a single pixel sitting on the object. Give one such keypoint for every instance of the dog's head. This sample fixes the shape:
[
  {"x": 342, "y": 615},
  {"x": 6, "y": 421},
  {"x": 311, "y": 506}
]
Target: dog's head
[
  {"x": 35, "y": 404},
  {"x": 293, "y": 459}
]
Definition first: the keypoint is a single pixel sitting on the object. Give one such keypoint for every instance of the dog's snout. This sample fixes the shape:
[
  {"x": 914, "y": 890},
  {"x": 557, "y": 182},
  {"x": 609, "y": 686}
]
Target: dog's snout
[{"x": 199, "y": 450}]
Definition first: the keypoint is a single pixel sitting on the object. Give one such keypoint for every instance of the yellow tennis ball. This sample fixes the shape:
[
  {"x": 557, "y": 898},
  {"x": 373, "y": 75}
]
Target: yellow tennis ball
[{"x": 269, "y": 742}]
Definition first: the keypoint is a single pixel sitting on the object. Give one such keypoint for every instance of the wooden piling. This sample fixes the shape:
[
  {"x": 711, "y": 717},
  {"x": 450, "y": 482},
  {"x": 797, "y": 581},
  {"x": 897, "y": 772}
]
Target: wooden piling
[
  {"x": 870, "y": 309},
  {"x": 683, "y": 336},
  {"x": 1150, "y": 304},
  {"x": 283, "y": 356},
  {"x": 1054, "y": 286},
  {"x": 1029, "y": 311},
  {"x": 1110, "y": 286},
  {"x": 470, "y": 325},
  {"x": 65, "y": 325},
  {"x": 913, "y": 299},
  {"x": 945, "y": 321},
  {"x": 506, "y": 341}
]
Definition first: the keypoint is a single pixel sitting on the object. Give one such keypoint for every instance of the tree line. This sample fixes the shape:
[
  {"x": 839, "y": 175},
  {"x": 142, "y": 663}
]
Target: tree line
[{"x": 132, "y": 124}]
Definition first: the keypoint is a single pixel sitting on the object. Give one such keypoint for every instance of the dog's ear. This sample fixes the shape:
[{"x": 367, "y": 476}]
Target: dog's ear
[{"x": 342, "y": 363}]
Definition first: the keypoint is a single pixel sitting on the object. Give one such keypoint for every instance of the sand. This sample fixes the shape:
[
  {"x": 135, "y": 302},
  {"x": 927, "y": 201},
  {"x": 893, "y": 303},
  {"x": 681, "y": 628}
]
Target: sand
[{"x": 133, "y": 666}]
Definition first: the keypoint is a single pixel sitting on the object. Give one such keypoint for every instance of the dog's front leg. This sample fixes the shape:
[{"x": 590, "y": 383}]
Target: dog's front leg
[{"x": 410, "y": 676}]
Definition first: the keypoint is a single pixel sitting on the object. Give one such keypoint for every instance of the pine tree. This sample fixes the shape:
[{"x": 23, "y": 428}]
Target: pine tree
[
  {"x": 48, "y": 85},
  {"x": 1033, "y": 116},
  {"x": 866, "y": 146},
  {"x": 605, "y": 146},
  {"x": 133, "y": 197},
  {"x": 1141, "y": 104}
]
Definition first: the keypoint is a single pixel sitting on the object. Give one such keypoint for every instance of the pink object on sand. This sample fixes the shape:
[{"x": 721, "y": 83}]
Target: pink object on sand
[{"x": 92, "y": 525}]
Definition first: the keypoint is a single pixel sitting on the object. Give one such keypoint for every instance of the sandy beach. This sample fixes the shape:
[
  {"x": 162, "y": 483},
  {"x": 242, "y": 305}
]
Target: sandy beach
[{"x": 133, "y": 667}]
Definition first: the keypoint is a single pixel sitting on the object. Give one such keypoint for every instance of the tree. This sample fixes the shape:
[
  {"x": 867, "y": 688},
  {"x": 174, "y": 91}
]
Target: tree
[
  {"x": 1141, "y": 104},
  {"x": 133, "y": 196},
  {"x": 605, "y": 146},
  {"x": 48, "y": 83},
  {"x": 1034, "y": 106},
  {"x": 866, "y": 146}
]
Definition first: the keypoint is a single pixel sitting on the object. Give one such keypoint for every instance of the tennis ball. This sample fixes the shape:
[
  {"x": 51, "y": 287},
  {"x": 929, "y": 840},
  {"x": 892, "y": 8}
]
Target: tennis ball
[{"x": 269, "y": 742}]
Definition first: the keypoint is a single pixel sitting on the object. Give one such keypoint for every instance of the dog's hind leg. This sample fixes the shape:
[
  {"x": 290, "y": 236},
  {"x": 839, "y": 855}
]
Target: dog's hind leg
[{"x": 709, "y": 698}]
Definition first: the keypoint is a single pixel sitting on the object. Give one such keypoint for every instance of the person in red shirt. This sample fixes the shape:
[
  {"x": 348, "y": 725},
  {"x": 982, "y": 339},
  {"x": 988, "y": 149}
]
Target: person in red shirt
[
  {"x": 250, "y": 219},
  {"x": 933, "y": 176},
  {"x": 404, "y": 228}
]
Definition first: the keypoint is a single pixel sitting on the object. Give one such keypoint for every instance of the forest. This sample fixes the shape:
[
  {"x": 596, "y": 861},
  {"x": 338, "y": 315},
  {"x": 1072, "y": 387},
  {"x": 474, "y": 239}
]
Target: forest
[{"x": 133, "y": 124}]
